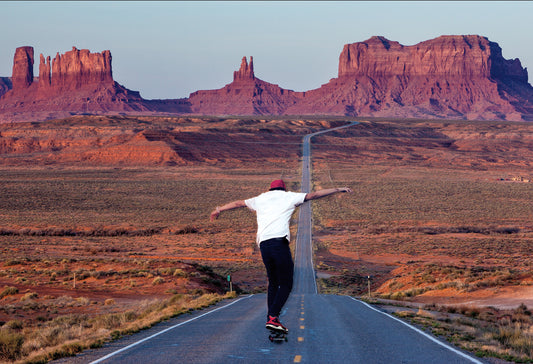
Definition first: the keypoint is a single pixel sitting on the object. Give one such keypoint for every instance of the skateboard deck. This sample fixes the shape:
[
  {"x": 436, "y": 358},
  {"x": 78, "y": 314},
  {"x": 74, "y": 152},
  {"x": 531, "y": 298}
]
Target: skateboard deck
[{"x": 277, "y": 336}]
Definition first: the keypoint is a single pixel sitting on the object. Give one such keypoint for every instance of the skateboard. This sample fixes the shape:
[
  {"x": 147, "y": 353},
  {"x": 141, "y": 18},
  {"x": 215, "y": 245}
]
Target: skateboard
[{"x": 277, "y": 336}]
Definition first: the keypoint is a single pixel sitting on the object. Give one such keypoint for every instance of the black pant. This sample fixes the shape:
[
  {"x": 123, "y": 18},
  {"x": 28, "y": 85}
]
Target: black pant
[{"x": 278, "y": 262}]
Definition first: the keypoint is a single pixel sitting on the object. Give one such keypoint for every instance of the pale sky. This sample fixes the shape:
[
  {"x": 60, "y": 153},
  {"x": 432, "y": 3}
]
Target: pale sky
[{"x": 169, "y": 49}]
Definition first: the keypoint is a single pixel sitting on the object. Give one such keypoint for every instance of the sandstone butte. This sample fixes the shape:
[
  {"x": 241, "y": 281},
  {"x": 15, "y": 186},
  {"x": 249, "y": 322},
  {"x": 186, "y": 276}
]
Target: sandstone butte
[{"x": 451, "y": 77}]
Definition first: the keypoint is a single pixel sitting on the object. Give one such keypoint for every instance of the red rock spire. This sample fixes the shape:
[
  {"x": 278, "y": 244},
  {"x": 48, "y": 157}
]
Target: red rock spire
[
  {"x": 22, "y": 76},
  {"x": 44, "y": 72},
  {"x": 246, "y": 72}
]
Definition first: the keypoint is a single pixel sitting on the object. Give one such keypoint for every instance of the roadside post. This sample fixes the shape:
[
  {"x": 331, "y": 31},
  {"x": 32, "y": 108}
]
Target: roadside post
[
  {"x": 368, "y": 286},
  {"x": 230, "y": 284}
]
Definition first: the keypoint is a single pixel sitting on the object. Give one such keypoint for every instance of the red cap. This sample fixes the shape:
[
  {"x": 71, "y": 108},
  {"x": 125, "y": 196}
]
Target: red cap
[{"x": 278, "y": 184}]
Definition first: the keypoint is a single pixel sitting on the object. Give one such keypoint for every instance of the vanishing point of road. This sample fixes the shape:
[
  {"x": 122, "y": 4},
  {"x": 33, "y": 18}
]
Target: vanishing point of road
[{"x": 323, "y": 328}]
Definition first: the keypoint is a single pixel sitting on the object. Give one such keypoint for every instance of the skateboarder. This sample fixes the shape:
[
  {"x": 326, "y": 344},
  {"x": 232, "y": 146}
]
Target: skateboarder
[{"x": 274, "y": 210}]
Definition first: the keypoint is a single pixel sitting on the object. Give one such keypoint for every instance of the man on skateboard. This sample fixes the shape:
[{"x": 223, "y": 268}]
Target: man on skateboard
[{"x": 274, "y": 210}]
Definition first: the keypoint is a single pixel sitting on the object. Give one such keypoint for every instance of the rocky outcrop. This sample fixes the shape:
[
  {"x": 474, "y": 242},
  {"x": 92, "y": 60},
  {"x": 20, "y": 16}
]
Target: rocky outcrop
[
  {"x": 22, "y": 76},
  {"x": 76, "y": 69},
  {"x": 455, "y": 56},
  {"x": 246, "y": 95},
  {"x": 246, "y": 72},
  {"x": 5, "y": 85},
  {"x": 459, "y": 77},
  {"x": 75, "y": 82},
  {"x": 45, "y": 76},
  {"x": 454, "y": 77}
]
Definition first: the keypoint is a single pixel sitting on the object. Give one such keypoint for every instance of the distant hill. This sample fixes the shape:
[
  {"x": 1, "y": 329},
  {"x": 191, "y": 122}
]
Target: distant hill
[{"x": 449, "y": 77}]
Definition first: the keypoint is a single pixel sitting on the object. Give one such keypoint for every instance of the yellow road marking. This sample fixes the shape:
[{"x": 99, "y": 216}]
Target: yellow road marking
[
  {"x": 297, "y": 358},
  {"x": 300, "y": 339},
  {"x": 302, "y": 327}
]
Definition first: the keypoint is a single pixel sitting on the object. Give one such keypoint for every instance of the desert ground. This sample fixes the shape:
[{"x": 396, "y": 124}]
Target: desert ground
[{"x": 106, "y": 215}]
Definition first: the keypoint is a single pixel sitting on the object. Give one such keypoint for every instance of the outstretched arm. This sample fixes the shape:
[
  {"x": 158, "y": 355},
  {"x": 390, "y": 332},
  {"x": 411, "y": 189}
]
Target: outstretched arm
[
  {"x": 326, "y": 192},
  {"x": 229, "y": 206}
]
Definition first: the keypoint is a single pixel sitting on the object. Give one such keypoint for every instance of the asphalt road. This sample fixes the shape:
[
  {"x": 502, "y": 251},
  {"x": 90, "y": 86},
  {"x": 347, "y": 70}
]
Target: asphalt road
[{"x": 322, "y": 328}]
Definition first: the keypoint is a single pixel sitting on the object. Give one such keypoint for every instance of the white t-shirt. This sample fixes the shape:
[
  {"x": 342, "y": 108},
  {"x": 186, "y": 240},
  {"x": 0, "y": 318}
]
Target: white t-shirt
[{"x": 274, "y": 210}]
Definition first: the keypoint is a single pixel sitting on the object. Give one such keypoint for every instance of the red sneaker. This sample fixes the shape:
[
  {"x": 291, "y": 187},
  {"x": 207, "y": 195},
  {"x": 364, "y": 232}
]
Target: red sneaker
[{"x": 274, "y": 324}]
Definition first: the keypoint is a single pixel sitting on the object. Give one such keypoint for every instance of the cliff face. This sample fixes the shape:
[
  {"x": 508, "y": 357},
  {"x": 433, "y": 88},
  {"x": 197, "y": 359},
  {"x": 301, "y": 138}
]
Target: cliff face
[
  {"x": 5, "y": 85},
  {"x": 76, "y": 69},
  {"x": 22, "y": 76},
  {"x": 75, "y": 82},
  {"x": 462, "y": 77},
  {"x": 467, "y": 56}
]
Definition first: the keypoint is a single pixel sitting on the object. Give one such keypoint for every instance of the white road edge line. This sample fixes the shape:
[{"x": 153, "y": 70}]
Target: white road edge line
[
  {"x": 163, "y": 331},
  {"x": 473, "y": 360}
]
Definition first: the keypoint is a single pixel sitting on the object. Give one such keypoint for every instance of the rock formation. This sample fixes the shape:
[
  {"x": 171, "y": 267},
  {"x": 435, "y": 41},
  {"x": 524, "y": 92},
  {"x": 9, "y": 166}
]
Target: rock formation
[
  {"x": 22, "y": 77},
  {"x": 77, "y": 69},
  {"x": 462, "y": 77},
  {"x": 75, "y": 82},
  {"x": 246, "y": 95},
  {"x": 454, "y": 77},
  {"x": 454, "y": 56},
  {"x": 45, "y": 77},
  {"x": 5, "y": 85},
  {"x": 246, "y": 72},
  {"x": 457, "y": 77}
]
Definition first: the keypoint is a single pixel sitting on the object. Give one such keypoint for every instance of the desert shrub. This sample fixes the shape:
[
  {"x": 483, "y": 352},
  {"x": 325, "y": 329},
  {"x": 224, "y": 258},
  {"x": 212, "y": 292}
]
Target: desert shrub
[
  {"x": 9, "y": 291},
  {"x": 397, "y": 296},
  {"x": 414, "y": 292},
  {"x": 523, "y": 310},
  {"x": 70, "y": 349},
  {"x": 11, "y": 262},
  {"x": 82, "y": 274},
  {"x": 179, "y": 299},
  {"x": 84, "y": 301},
  {"x": 187, "y": 230},
  {"x": 10, "y": 345},
  {"x": 515, "y": 337},
  {"x": 180, "y": 273},
  {"x": 158, "y": 280},
  {"x": 29, "y": 296},
  {"x": 111, "y": 321},
  {"x": 166, "y": 271},
  {"x": 14, "y": 325},
  {"x": 51, "y": 336},
  {"x": 130, "y": 315}
]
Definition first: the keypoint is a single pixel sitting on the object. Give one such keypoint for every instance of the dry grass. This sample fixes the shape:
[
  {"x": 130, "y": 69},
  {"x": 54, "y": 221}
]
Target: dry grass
[
  {"x": 70, "y": 334},
  {"x": 506, "y": 334}
]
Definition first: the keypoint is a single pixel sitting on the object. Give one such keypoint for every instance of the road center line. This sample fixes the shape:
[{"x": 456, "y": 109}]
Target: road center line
[
  {"x": 473, "y": 360},
  {"x": 165, "y": 330}
]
